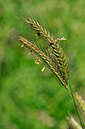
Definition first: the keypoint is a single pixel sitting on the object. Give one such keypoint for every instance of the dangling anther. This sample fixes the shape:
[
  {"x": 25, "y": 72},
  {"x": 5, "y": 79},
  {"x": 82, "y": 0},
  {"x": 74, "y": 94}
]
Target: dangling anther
[
  {"x": 29, "y": 53},
  {"x": 38, "y": 61},
  {"x": 43, "y": 69},
  {"x": 22, "y": 45},
  {"x": 25, "y": 47}
]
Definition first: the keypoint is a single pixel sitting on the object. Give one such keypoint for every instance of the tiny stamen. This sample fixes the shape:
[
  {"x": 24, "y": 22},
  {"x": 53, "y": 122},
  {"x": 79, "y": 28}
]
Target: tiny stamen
[
  {"x": 43, "y": 69},
  {"x": 22, "y": 45},
  {"x": 29, "y": 53},
  {"x": 38, "y": 61}
]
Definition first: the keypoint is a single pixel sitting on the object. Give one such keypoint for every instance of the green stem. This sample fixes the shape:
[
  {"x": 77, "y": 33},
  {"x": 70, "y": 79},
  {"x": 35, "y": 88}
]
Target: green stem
[{"x": 74, "y": 102}]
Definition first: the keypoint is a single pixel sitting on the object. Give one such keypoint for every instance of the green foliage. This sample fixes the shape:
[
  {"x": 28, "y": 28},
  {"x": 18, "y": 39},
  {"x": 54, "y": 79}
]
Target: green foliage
[{"x": 28, "y": 97}]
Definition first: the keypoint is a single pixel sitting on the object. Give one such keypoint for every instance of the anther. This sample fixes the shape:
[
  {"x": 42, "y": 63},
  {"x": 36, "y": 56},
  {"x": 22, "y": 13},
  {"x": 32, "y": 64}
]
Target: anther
[
  {"x": 22, "y": 45},
  {"x": 43, "y": 69},
  {"x": 29, "y": 53}
]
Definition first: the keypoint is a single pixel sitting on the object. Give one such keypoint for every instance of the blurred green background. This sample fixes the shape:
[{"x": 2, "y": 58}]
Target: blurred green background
[{"x": 30, "y": 99}]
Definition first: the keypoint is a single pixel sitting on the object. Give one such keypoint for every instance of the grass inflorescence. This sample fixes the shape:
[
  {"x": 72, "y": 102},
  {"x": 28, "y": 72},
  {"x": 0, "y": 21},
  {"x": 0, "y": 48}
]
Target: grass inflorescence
[{"x": 52, "y": 55}]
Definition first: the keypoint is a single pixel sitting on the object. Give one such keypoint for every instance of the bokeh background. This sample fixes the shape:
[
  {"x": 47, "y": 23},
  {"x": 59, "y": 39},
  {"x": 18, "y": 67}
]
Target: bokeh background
[{"x": 30, "y": 99}]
